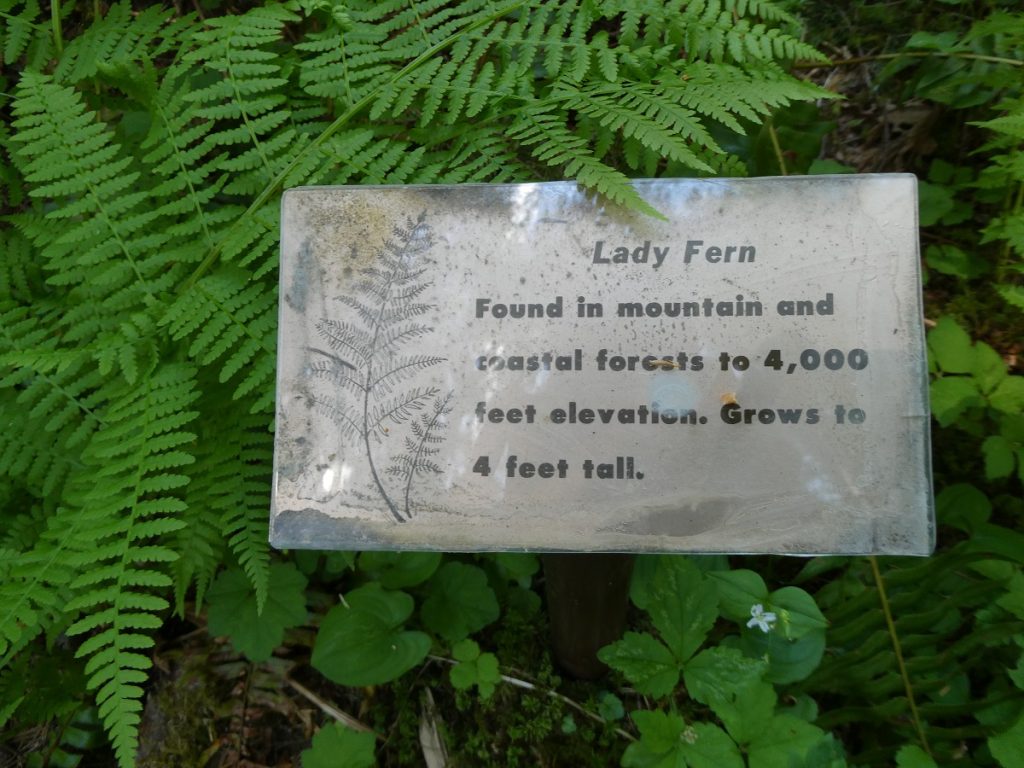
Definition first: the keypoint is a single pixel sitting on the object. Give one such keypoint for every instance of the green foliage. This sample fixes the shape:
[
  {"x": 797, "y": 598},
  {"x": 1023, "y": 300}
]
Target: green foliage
[
  {"x": 474, "y": 669},
  {"x": 234, "y": 609},
  {"x": 337, "y": 745},
  {"x": 142, "y": 160},
  {"x": 362, "y": 640}
]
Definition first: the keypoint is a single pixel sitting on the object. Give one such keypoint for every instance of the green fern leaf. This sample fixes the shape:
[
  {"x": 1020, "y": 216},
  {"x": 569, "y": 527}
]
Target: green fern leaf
[
  {"x": 231, "y": 321},
  {"x": 125, "y": 511}
]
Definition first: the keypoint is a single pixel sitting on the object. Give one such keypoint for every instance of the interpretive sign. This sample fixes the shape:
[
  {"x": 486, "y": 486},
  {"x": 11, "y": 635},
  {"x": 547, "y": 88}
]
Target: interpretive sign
[{"x": 523, "y": 366}]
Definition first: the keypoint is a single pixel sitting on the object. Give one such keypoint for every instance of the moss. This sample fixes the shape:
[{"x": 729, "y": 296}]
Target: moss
[{"x": 176, "y": 718}]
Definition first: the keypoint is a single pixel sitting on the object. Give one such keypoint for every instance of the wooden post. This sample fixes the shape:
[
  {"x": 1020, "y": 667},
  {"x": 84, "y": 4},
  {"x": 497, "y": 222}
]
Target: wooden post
[{"x": 587, "y": 597}]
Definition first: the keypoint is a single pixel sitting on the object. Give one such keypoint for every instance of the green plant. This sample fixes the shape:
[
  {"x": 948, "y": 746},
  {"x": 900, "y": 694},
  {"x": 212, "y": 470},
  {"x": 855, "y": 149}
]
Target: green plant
[{"x": 142, "y": 170}]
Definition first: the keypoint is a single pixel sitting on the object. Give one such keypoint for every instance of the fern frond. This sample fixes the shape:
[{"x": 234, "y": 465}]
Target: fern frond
[
  {"x": 230, "y": 321},
  {"x": 50, "y": 400},
  {"x": 71, "y": 158},
  {"x": 121, "y": 35},
  {"x": 554, "y": 144},
  {"x": 23, "y": 33},
  {"x": 127, "y": 506},
  {"x": 246, "y": 98},
  {"x": 226, "y": 500}
]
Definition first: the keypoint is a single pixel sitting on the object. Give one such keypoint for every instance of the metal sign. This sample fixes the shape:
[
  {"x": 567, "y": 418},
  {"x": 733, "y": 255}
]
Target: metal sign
[{"x": 496, "y": 367}]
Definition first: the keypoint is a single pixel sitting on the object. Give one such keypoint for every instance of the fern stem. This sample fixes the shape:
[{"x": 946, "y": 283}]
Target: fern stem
[
  {"x": 263, "y": 197},
  {"x": 883, "y": 598},
  {"x": 58, "y": 33},
  {"x": 909, "y": 55},
  {"x": 776, "y": 146}
]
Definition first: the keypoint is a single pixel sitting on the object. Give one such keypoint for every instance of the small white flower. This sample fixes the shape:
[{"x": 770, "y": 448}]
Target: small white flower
[{"x": 759, "y": 617}]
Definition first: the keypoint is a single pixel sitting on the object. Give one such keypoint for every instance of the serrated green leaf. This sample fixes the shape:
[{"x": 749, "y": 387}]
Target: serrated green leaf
[
  {"x": 786, "y": 739},
  {"x": 999, "y": 457},
  {"x": 1009, "y": 395},
  {"x": 718, "y": 674},
  {"x": 335, "y": 745},
  {"x": 459, "y": 602},
  {"x": 232, "y": 609},
  {"x": 951, "y": 346},
  {"x": 684, "y": 606},
  {"x": 951, "y": 396},
  {"x": 666, "y": 741},
  {"x": 989, "y": 368},
  {"x": 362, "y": 641},
  {"x": 645, "y": 661}
]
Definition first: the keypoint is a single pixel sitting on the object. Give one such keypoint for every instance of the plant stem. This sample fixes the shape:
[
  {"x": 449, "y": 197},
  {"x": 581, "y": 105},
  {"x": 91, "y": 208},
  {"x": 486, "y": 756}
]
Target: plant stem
[
  {"x": 909, "y": 55},
  {"x": 883, "y": 598},
  {"x": 58, "y": 34},
  {"x": 777, "y": 147}
]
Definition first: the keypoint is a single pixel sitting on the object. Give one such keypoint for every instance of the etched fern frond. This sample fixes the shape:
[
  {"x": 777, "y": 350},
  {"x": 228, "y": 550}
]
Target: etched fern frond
[
  {"x": 400, "y": 409},
  {"x": 403, "y": 368}
]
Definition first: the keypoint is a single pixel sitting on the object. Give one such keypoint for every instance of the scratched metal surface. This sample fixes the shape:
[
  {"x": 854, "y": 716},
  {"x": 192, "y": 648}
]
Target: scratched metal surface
[{"x": 380, "y": 377}]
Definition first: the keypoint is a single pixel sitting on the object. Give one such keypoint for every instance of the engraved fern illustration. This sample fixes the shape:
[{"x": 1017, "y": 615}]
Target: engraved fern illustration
[{"x": 367, "y": 362}]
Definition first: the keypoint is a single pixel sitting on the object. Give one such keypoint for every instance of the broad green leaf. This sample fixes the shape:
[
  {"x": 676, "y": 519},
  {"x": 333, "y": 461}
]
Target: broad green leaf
[
  {"x": 785, "y": 739},
  {"x": 646, "y": 663},
  {"x": 963, "y": 506},
  {"x": 999, "y": 457},
  {"x": 232, "y": 609},
  {"x": 738, "y": 592},
  {"x": 912, "y": 756},
  {"x": 797, "y": 612},
  {"x": 1008, "y": 747},
  {"x": 934, "y": 202},
  {"x": 1009, "y": 395},
  {"x": 951, "y": 346},
  {"x": 684, "y": 606},
  {"x": 335, "y": 745},
  {"x": 520, "y": 566},
  {"x": 950, "y": 260},
  {"x": 788, "y": 660},
  {"x": 717, "y": 674},
  {"x": 459, "y": 602},
  {"x": 951, "y": 396},
  {"x": 397, "y": 570},
  {"x": 362, "y": 642}
]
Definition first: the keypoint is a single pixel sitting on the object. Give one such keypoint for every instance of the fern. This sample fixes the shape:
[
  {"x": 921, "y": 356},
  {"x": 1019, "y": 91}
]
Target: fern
[
  {"x": 142, "y": 168},
  {"x": 127, "y": 505}
]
